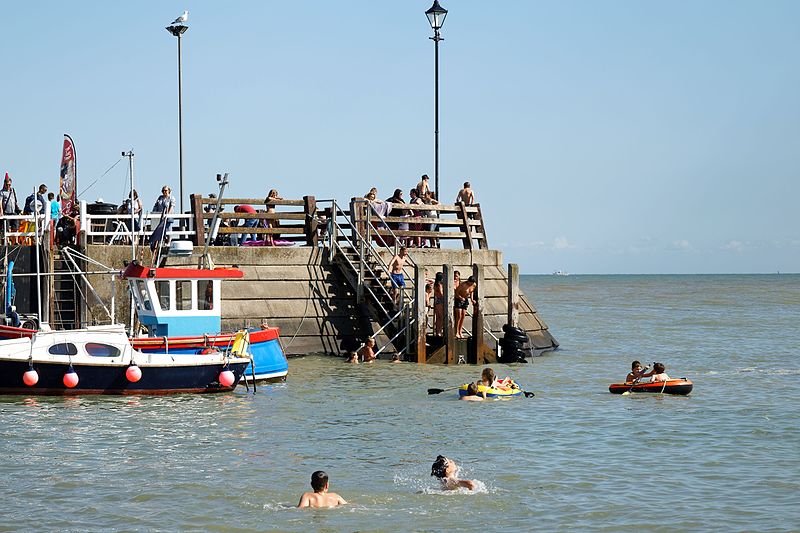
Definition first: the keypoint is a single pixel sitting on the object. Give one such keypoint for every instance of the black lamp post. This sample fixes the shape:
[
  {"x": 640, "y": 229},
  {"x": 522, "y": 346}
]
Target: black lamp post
[
  {"x": 178, "y": 29},
  {"x": 436, "y": 15}
]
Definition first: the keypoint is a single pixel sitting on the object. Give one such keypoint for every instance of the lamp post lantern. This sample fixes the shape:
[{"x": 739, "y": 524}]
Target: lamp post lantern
[
  {"x": 436, "y": 15},
  {"x": 178, "y": 29}
]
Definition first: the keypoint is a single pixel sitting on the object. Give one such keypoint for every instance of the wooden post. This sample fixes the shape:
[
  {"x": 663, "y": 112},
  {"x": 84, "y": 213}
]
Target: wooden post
[
  {"x": 476, "y": 343},
  {"x": 421, "y": 353},
  {"x": 448, "y": 322},
  {"x": 196, "y": 203},
  {"x": 513, "y": 294},
  {"x": 483, "y": 244},
  {"x": 466, "y": 228},
  {"x": 310, "y": 210}
]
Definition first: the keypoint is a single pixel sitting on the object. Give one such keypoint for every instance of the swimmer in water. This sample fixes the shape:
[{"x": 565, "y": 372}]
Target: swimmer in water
[
  {"x": 320, "y": 497},
  {"x": 445, "y": 471},
  {"x": 472, "y": 394}
]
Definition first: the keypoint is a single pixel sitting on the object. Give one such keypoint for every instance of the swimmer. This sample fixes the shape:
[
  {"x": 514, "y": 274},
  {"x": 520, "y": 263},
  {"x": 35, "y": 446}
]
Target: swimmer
[
  {"x": 367, "y": 352},
  {"x": 396, "y": 359},
  {"x": 472, "y": 394},
  {"x": 445, "y": 471},
  {"x": 352, "y": 358},
  {"x": 320, "y": 497}
]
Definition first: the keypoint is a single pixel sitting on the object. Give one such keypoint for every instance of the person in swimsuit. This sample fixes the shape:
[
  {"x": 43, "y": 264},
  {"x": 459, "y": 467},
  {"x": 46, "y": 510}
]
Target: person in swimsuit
[
  {"x": 352, "y": 358},
  {"x": 463, "y": 297},
  {"x": 320, "y": 497},
  {"x": 472, "y": 394},
  {"x": 466, "y": 195},
  {"x": 396, "y": 268},
  {"x": 367, "y": 352},
  {"x": 658, "y": 374},
  {"x": 445, "y": 471},
  {"x": 438, "y": 305},
  {"x": 636, "y": 373}
]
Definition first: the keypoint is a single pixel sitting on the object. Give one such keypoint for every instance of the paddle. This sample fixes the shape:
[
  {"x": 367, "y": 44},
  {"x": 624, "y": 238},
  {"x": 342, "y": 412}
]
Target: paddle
[
  {"x": 439, "y": 391},
  {"x": 636, "y": 381}
]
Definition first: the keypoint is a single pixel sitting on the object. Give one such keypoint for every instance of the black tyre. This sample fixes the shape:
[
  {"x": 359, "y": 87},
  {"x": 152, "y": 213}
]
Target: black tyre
[
  {"x": 522, "y": 339},
  {"x": 509, "y": 345},
  {"x": 511, "y": 329}
]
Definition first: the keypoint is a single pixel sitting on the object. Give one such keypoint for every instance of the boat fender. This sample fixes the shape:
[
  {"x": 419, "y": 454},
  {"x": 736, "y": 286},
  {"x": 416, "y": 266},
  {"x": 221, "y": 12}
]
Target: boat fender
[
  {"x": 208, "y": 350},
  {"x": 226, "y": 378},
  {"x": 70, "y": 378},
  {"x": 30, "y": 377},
  {"x": 133, "y": 373}
]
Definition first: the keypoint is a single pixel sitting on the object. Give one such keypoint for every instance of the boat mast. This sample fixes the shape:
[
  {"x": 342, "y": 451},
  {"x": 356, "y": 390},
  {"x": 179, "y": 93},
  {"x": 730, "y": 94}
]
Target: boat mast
[{"x": 132, "y": 209}]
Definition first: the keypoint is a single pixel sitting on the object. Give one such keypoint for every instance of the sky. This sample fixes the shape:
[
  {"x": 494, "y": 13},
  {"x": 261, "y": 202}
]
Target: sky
[{"x": 600, "y": 137}]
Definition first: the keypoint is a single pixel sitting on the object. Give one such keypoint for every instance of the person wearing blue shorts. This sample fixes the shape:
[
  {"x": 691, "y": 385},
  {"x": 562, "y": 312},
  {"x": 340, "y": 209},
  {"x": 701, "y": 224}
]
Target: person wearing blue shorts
[{"x": 396, "y": 271}]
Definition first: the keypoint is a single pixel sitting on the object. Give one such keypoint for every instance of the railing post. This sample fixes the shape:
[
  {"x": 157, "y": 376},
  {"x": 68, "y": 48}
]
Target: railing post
[
  {"x": 333, "y": 231},
  {"x": 421, "y": 354},
  {"x": 466, "y": 228},
  {"x": 477, "y": 341},
  {"x": 513, "y": 294},
  {"x": 196, "y": 204},
  {"x": 483, "y": 243},
  {"x": 310, "y": 209},
  {"x": 83, "y": 222},
  {"x": 449, "y": 323}
]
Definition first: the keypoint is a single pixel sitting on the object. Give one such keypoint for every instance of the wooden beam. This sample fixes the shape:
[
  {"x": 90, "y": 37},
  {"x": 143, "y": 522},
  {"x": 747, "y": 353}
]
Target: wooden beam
[
  {"x": 475, "y": 355},
  {"x": 196, "y": 203},
  {"x": 483, "y": 243},
  {"x": 464, "y": 217},
  {"x": 420, "y": 354},
  {"x": 310, "y": 212},
  {"x": 449, "y": 323},
  {"x": 513, "y": 294}
]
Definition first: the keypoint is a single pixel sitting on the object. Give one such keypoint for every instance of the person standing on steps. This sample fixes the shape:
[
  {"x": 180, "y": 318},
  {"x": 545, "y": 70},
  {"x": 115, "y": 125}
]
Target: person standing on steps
[{"x": 396, "y": 271}]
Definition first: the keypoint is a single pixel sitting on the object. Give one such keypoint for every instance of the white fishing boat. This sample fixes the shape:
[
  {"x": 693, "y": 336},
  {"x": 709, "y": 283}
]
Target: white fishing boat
[{"x": 101, "y": 360}]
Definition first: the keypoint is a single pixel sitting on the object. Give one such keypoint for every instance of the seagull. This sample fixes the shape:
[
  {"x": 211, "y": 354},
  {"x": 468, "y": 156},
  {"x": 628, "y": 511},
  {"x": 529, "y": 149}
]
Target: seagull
[{"x": 182, "y": 18}]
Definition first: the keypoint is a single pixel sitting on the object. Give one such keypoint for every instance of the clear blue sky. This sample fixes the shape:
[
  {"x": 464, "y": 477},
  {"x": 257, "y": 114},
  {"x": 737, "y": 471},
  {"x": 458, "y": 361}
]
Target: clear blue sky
[{"x": 600, "y": 137}]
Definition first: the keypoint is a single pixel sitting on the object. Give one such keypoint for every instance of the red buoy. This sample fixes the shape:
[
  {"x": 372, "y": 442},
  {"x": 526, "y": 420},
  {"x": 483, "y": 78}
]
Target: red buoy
[
  {"x": 70, "y": 378},
  {"x": 133, "y": 373},
  {"x": 30, "y": 377},
  {"x": 226, "y": 378}
]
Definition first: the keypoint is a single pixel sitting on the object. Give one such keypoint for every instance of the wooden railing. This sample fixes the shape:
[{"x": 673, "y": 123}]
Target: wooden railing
[{"x": 302, "y": 221}]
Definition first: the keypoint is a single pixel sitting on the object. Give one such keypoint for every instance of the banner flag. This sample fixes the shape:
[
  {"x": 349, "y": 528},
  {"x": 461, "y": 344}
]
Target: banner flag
[{"x": 68, "y": 187}]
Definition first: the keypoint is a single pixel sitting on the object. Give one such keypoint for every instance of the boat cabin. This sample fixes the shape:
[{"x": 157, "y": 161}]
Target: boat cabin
[{"x": 174, "y": 302}]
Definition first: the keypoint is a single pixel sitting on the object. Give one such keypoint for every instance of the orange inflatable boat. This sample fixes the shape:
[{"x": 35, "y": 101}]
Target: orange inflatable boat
[{"x": 681, "y": 386}]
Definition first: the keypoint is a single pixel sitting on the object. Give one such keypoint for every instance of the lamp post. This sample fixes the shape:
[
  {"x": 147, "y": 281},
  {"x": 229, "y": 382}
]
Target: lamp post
[
  {"x": 436, "y": 15},
  {"x": 177, "y": 30}
]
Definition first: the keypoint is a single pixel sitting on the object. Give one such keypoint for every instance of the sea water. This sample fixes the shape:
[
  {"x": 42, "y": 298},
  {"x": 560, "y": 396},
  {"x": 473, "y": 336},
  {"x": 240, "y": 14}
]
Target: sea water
[{"x": 574, "y": 457}]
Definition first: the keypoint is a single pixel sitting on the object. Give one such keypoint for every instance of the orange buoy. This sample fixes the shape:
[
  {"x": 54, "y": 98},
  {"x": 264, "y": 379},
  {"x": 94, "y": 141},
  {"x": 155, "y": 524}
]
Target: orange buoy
[
  {"x": 226, "y": 378},
  {"x": 30, "y": 377},
  {"x": 133, "y": 373},
  {"x": 70, "y": 378}
]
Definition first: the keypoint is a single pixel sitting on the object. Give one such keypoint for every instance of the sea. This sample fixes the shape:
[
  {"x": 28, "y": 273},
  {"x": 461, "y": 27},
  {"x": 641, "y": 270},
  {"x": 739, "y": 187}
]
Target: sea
[{"x": 572, "y": 458}]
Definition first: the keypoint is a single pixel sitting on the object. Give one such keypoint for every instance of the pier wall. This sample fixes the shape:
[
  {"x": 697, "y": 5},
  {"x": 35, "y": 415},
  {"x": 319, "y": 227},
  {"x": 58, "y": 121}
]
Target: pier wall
[{"x": 298, "y": 290}]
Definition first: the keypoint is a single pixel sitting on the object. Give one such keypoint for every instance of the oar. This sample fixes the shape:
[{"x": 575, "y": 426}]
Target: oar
[
  {"x": 636, "y": 381},
  {"x": 439, "y": 391}
]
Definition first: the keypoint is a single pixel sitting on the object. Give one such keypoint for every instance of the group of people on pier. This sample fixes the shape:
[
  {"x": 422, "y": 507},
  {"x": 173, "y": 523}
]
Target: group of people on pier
[{"x": 421, "y": 197}]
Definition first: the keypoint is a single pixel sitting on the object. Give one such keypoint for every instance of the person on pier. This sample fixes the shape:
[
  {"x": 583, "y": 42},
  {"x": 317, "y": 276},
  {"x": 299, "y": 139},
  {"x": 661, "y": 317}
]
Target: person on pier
[
  {"x": 272, "y": 196},
  {"x": 466, "y": 195},
  {"x": 165, "y": 204},
  {"x": 396, "y": 272},
  {"x": 320, "y": 497},
  {"x": 463, "y": 297}
]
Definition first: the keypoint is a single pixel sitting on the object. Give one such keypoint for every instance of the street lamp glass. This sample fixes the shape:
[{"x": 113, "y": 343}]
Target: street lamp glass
[{"x": 436, "y": 15}]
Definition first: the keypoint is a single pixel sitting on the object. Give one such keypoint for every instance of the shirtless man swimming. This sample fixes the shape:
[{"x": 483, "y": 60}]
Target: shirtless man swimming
[
  {"x": 320, "y": 497},
  {"x": 462, "y": 299},
  {"x": 396, "y": 268}
]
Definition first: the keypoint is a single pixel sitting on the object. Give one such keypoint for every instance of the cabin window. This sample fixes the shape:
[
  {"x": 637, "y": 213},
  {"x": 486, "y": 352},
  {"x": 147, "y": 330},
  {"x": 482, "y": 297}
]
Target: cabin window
[
  {"x": 97, "y": 349},
  {"x": 64, "y": 348},
  {"x": 205, "y": 295},
  {"x": 144, "y": 296},
  {"x": 162, "y": 291},
  {"x": 183, "y": 295}
]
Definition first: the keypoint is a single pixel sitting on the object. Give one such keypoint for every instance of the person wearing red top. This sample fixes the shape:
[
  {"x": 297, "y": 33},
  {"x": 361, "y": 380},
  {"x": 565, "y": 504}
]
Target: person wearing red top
[{"x": 248, "y": 222}]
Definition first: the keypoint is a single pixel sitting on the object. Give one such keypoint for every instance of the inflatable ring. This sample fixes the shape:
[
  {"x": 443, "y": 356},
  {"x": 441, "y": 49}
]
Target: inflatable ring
[{"x": 492, "y": 392}]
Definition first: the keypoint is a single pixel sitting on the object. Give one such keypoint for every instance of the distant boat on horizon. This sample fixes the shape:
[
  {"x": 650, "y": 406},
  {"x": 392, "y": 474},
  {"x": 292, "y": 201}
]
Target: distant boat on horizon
[{"x": 560, "y": 273}]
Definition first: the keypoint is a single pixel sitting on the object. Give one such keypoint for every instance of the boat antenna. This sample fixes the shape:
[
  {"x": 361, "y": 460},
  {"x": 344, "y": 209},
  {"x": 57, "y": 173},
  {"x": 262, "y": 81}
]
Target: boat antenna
[{"x": 205, "y": 258}]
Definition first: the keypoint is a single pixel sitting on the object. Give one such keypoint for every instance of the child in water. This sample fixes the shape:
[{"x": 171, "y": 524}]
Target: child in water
[
  {"x": 445, "y": 471},
  {"x": 472, "y": 394}
]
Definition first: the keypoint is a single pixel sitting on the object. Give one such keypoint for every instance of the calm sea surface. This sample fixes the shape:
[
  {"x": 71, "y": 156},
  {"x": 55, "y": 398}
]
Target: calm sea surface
[{"x": 575, "y": 457}]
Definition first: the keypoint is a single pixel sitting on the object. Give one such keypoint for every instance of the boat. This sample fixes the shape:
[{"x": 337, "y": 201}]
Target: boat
[
  {"x": 101, "y": 360},
  {"x": 560, "y": 273},
  {"x": 181, "y": 311},
  {"x": 681, "y": 386},
  {"x": 493, "y": 392}
]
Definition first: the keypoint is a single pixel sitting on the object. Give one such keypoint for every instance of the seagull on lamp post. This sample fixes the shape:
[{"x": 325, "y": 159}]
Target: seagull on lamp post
[{"x": 183, "y": 18}]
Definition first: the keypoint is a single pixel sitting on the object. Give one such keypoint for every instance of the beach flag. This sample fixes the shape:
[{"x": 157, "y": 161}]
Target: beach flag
[{"x": 67, "y": 192}]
